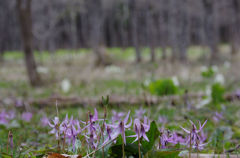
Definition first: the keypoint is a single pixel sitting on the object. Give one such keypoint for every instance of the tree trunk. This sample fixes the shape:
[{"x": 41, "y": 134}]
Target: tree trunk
[
  {"x": 164, "y": 53},
  {"x": 96, "y": 23},
  {"x": 151, "y": 29},
  {"x": 134, "y": 30},
  {"x": 1, "y": 56},
  {"x": 24, "y": 15},
  {"x": 211, "y": 28},
  {"x": 235, "y": 33}
]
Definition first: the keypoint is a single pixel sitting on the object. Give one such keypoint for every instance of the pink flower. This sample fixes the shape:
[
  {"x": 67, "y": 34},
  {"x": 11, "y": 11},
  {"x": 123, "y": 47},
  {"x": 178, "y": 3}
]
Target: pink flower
[
  {"x": 27, "y": 116},
  {"x": 55, "y": 127},
  {"x": 120, "y": 128},
  {"x": 194, "y": 139},
  {"x": 141, "y": 129},
  {"x": 3, "y": 118},
  {"x": 44, "y": 121}
]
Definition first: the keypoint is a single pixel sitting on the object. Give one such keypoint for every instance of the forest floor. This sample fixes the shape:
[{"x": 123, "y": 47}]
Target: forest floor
[{"x": 72, "y": 74}]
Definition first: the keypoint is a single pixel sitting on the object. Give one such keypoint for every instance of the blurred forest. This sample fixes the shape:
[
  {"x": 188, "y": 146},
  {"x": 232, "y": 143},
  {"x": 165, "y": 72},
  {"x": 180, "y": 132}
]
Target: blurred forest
[{"x": 73, "y": 24}]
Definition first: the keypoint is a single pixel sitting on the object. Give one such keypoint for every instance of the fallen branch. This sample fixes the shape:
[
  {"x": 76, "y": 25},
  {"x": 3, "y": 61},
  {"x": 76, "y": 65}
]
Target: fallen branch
[{"x": 115, "y": 100}]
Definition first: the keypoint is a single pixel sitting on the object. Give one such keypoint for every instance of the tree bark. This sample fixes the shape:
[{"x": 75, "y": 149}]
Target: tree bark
[
  {"x": 1, "y": 56},
  {"x": 134, "y": 29},
  {"x": 24, "y": 15}
]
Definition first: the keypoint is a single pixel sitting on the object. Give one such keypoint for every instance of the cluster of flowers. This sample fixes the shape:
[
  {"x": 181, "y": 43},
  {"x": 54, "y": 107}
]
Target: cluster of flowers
[
  {"x": 6, "y": 116},
  {"x": 98, "y": 131}
]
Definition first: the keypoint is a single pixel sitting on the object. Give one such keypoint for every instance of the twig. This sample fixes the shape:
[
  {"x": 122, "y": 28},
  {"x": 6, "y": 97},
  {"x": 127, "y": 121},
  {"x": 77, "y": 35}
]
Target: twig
[{"x": 93, "y": 152}]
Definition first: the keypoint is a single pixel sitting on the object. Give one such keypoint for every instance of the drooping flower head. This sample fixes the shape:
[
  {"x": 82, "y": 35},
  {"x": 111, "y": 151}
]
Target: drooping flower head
[
  {"x": 121, "y": 126},
  {"x": 140, "y": 113},
  {"x": 217, "y": 117},
  {"x": 141, "y": 129},
  {"x": 44, "y": 121},
  {"x": 194, "y": 139},
  {"x": 3, "y": 118},
  {"x": 73, "y": 129},
  {"x": 27, "y": 116},
  {"x": 55, "y": 127},
  {"x": 117, "y": 116}
]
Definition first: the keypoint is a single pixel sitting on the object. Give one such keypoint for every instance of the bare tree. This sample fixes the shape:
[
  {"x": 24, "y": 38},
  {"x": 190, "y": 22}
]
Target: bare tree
[
  {"x": 151, "y": 28},
  {"x": 234, "y": 27},
  {"x": 134, "y": 28},
  {"x": 211, "y": 28},
  {"x": 24, "y": 14}
]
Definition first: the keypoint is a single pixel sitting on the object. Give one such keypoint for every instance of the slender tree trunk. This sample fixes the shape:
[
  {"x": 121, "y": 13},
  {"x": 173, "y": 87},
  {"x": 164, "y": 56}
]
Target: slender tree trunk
[
  {"x": 1, "y": 56},
  {"x": 164, "y": 53},
  {"x": 211, "y": 28},
  {"x": 151, "y": 29},
  {"x": 96, "y": 23},
  {"x": 24, "y": 15},
  {"x": 134, "y": 30},
  {"x": 235, "y": 33}
]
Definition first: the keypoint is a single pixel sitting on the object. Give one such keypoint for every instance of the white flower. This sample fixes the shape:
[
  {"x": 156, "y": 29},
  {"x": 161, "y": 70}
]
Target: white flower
[
  {"x": 204, "y": 69},
  {"x": 203, "y": 102},
  {"x": 227, "y": 64},
  {"x": 147, "y": 82},
  {"x": 65, "y": 85},
  {"x": 41, "y": 69},
  {"x": 208, "y": 91},
  {"x": 175, "y": 81},
  {"x": 113, "y": 69},
  {"x": 215, "y": 68},
  {"x": 219, "y": 78}
]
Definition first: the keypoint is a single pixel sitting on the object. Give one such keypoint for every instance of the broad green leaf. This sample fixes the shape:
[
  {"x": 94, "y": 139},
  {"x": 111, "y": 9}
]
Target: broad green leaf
[
  {"x": 4, "y": 155},
  {"x": 152, "y": 135},
  {"x": 131, "y": 149}
]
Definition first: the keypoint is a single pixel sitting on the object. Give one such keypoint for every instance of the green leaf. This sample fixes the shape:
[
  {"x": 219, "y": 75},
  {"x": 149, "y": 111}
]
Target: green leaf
[
  {"x": 152, "y": 135},
  {"x": 4, "y": 155},
  {"x": 163, "y": 87},
  {"x": 217, "y": 93},
  {"x": 131, "y": 149}
]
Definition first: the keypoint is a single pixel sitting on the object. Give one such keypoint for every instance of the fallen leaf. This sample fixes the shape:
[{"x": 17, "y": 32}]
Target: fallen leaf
[{"x": 56, "y": 155}]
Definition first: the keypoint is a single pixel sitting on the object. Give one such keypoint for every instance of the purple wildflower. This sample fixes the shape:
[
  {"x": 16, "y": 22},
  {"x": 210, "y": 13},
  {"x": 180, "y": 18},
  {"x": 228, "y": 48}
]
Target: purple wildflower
[
  {"x": 162, "y": 119},
  {"x": 141, "y": 129},
  {"x": 194, "y": 139},
  {"x": 44, "y": 121},
  {"x": 19, "y": 103},
  {"x": 72, "y": 132},
  {"x": 55, "y": 127},
  {"x": 3, "y": 118},
  {"x": 65, "y": 124},
  {"x": 120, "y": 128},
  {"x": 164, "y": 140},
  {"x": 27, "y": 116},
  {"x": 176, "y": 138},
  {"x": 139, "y": 113},
  {"x": 237, "y": 93},
  {"x": 11, "y": 115},
  {"x": 117, "y": 116},
  {"x": 217, "y": 117},
  {"x": 94, "y": 118}
]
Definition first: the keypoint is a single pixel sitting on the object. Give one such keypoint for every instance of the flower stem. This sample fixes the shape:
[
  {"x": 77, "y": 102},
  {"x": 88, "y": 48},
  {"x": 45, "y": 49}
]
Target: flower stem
[
  {"x": 123, "y": 151},
  {"x": 190, "y": 148},
  {"x": 8, "y": 141},
  {"x": 93, "y": 152},
  {"x": 64, "y": 140},
  {"x": 139, "y": 149}
]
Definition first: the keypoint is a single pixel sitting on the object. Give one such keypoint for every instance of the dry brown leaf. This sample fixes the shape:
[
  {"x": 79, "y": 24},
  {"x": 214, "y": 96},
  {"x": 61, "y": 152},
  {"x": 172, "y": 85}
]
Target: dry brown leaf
[{"x": 56, "y": 155}]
